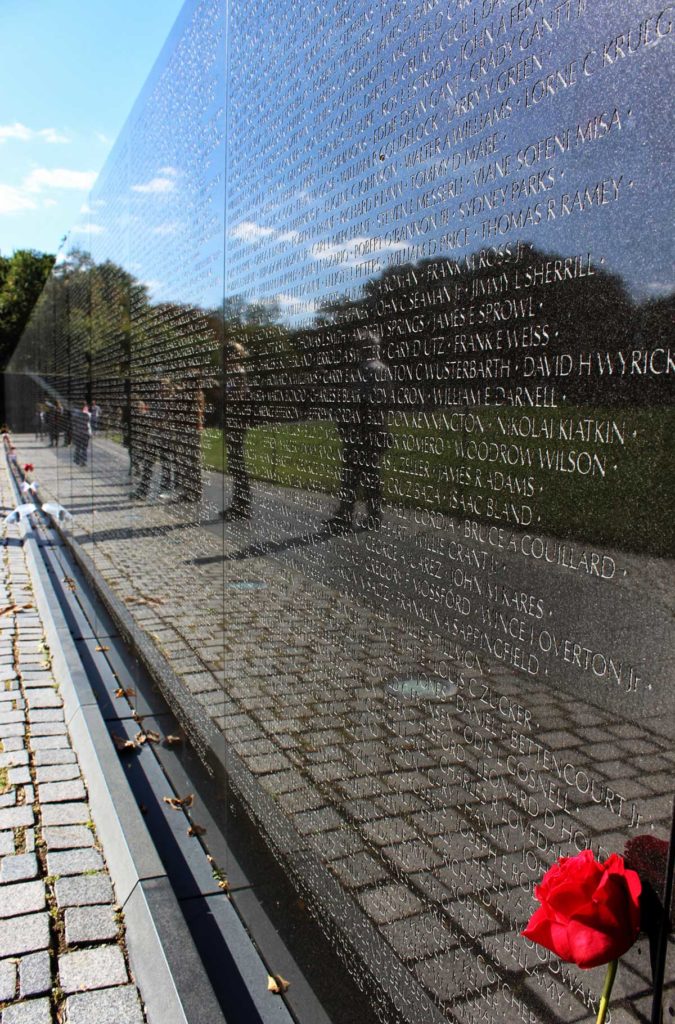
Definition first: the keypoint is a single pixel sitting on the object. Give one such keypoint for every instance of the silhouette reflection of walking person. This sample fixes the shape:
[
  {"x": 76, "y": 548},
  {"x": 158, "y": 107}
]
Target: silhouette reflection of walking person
[
  {"x": 238, "y": 417},
  {"x": 364, "y": 435}
]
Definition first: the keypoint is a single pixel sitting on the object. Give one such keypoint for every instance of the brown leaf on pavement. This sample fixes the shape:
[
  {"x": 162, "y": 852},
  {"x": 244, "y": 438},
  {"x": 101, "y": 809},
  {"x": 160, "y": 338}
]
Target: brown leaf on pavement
[
  {"x": 122, "y": 744},
  {"x": 277, "y": 984},
  {"x": 121, "y": 692},
  {"x": 196, "y": 830},
  {"x": 102, "y": 647},
  {"x": 171, "y": 741},
  {"x": 179, "y": 802}
]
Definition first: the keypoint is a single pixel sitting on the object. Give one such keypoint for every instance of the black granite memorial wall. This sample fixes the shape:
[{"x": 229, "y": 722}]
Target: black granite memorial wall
[{"x": 356, "y": 378}]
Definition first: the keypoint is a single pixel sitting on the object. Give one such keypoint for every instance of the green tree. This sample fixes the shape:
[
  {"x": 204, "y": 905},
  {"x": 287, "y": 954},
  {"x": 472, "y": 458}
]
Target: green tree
[{"x": 22, "y": 278}]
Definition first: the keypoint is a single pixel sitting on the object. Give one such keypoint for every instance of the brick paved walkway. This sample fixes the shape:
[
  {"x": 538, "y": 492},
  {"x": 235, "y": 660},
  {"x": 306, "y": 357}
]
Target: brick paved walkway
[
  {"x": 62, "y": 950},
  {"x": 420, "y": 826}
]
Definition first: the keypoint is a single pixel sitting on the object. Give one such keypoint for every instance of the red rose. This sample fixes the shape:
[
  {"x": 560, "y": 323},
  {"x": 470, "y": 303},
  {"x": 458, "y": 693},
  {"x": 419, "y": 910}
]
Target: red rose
[
  {"x": 590, "y": 912},
  {"x": 29, "y": 467}
]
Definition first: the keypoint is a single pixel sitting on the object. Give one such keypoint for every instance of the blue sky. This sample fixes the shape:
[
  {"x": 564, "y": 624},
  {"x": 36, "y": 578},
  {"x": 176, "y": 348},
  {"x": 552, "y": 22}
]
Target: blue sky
[{"x": 70, "y": 72}]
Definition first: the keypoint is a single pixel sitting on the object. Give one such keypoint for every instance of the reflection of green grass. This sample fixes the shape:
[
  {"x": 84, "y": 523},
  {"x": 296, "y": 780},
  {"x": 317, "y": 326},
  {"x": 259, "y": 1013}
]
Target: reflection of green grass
[{"x": 629, "y": 506}]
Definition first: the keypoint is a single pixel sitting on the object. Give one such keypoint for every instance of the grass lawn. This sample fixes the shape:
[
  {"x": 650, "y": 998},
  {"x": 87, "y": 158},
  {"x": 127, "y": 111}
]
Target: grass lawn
[{"x": 629, "y": 506}]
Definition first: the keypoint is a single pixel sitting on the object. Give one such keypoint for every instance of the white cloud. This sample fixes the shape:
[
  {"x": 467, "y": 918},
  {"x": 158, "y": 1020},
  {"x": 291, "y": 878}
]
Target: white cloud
[
  {"x": 354, "y": 251},
  {"x": 13, "y": 200},
  {"x": 102, "y": 137},
  {"x": 49, "y": 202},
  {"x": 42, "y": 178},
  {"x": 156, "y": 186},
  {"x": 21, "y": 133},
  {"x": 288, "y": 236},
  {"x": 249, "y": 231},
  {"x": 170, "y": 228},
  {"x": 292, "y": 302},
  {"x": 660, "y": 287},
  {"x": 87, "y": 229}
]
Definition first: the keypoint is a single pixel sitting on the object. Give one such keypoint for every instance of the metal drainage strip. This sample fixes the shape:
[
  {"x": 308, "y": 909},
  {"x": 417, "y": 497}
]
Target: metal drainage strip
[{"x": 421, "y": 688}]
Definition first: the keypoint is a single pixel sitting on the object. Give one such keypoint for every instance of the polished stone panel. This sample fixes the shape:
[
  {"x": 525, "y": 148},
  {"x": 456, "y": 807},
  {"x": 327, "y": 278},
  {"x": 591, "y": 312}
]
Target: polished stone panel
[{"x": 356, "y": 382}]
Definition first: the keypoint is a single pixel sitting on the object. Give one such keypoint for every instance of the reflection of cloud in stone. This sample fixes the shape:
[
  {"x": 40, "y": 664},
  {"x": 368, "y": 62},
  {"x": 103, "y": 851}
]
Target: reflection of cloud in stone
[
  {"x": 291, "y": 302},
  {"x": 659, "y": 288},
  {"x": 249, "y": 231},
  {"x": 170, "y": 228},
  {"x": 156, "y": 186},
  {"x": 153, "y": 285},
  {"x": 354, "y": 251}
]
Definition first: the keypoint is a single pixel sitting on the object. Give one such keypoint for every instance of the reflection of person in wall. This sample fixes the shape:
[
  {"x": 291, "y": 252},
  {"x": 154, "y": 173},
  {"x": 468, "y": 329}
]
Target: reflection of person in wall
[
  {"x": 238, "y": 417},
  {"x": 81, "y": 426},
  {"x": 53, "y": 417},
  {"x": 187, "y": 427},
  {"x": 39, "y": 422},
  {"x": 141, "y": 451},
  {"x": 364, "y": 435}
]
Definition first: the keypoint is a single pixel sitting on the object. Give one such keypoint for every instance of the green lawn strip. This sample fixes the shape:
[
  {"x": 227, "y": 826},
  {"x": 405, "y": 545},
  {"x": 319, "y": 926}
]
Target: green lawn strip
[{"x": 626, "y": 507}]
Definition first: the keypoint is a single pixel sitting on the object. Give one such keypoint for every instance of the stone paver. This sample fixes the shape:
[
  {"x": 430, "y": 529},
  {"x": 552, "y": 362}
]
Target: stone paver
[
  {"x": 100, "y": 967},
  {"x": 68, "y": 837},
  {"x": 35, "y": 974},
  {"x": 33, "y": 1011},
  {"x": 24, "y": 934},
  {"x": 17, "y": 868},
  {"x": 105, "y": 1006},
  {"x": 61, "y": 792},
  {"x": 22, "y": 898},
  {"x": 90, "y": 924},
  {"x": 66, "y": 814},
  {"x": 7, "y": 980},
  {"x": 83, "y": 890},
  {"x": 73, "y": 862}
]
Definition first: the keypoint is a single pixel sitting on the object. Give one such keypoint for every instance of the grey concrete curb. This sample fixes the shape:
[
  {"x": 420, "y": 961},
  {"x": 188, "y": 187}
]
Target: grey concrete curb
[{"x": 166, "y": 964}]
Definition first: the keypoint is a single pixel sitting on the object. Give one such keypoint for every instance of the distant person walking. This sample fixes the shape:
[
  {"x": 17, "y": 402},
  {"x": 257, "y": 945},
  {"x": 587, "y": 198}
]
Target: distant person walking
[{"x": 81, "y": 426}]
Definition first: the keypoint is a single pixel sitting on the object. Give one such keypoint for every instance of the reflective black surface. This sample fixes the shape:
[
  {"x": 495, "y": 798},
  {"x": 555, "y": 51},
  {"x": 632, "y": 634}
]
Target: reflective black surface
[{"x": 375, "y": 304}]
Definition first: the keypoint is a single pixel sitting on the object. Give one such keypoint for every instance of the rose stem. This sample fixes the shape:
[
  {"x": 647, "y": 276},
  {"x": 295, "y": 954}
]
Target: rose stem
[{"x": 607, "y": 991}]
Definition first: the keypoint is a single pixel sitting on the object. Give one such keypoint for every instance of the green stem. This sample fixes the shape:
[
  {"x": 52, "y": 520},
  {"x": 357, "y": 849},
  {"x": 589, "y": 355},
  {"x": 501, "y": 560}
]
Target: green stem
[{"x": 607, "y": 991}]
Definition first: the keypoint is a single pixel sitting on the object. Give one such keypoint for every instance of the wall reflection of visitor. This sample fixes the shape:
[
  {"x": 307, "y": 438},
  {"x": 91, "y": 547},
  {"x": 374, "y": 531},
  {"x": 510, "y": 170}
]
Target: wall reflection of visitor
[
  {"x": 95, "y": 416},
  {"x": 39, "y": 422},
  {"x": 168, "y": 452},
  {"x": 81, "y": 425},
  {"x": 141, "y": 447},
  {"x": 187, "y": 446},
  {"x": 53, "y": 418},
  {"x": 238, "y": 417},
  {"x": 364, "y": 436}
]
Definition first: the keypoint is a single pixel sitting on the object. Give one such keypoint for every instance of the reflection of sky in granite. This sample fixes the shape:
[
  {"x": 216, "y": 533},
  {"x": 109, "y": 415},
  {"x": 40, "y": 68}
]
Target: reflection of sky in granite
[
  {"x": 155, "y": 172},
  {"x": 631, "y": 234}
]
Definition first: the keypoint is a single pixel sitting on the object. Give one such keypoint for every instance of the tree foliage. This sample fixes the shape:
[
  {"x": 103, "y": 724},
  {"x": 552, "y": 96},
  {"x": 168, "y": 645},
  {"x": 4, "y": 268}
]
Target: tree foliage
[{"x": 22, "y": 278}]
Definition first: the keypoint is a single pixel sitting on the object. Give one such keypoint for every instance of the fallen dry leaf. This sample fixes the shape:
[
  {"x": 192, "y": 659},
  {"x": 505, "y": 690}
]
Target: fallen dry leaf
[
  {"x": 70, "y": 582},
  {"x": 223, "y": 884},
  {"x": 196, "y": 830},
  {"x": 277, "y": 984},
  {"x": 122, "y": 744},
  {"x": 171, "y": 741},
  {"x": 9, "y": 608},
  {"x": 25, "y": 607},
  {"x": 179, "y": 802},
  {"x": 121, "y": 692},
  {"x": 147, "y": 737},
  {"x": 102, "y": 647}
]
